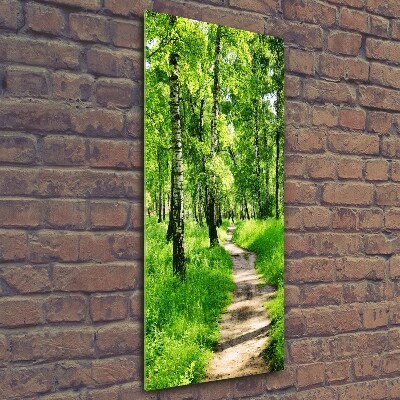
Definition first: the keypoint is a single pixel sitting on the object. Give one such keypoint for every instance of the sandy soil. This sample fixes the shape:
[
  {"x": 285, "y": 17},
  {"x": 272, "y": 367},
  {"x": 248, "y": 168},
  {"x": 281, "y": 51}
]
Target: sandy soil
[{"x": 245, "y": 322}]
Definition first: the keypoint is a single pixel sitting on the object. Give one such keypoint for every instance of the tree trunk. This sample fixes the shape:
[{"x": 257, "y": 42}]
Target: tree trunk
[
  {"x": 170, "y": 229},
  {"x": 178, "y": 259},
  {"x": 257, "y": 157},
  {"x": 267, "y": 206},
  {"x": 159, "y": 192},
  {"x": 212, "y": 229}
]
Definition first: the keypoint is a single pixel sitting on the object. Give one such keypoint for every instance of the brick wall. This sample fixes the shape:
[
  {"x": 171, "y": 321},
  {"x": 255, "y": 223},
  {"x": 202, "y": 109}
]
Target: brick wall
[{"x": 71, "y": 184}]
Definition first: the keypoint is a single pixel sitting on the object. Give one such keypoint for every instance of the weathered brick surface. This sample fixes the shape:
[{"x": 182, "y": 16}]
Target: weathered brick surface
[{"x": 71, "y": 212}]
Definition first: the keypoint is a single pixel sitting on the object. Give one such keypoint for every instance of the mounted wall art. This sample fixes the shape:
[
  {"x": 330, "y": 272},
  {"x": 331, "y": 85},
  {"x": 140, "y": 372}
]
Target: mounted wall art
[{"x": 213, "y": 202}]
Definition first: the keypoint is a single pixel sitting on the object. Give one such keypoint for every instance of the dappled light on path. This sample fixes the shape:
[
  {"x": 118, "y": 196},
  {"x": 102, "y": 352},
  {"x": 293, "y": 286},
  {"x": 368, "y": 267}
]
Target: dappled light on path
[{"x": 245, "y": 323}]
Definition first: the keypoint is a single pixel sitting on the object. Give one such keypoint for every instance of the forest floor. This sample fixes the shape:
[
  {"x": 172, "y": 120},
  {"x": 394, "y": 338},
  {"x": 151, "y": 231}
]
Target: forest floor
[{"x": 244, "y": 324}]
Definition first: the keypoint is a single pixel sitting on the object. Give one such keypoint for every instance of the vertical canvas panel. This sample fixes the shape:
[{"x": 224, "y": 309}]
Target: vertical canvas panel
[{"x": 213, "y": 202}]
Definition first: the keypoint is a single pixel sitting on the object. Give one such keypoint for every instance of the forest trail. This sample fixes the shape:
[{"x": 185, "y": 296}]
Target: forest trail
[{"x": 244, "y": 324}]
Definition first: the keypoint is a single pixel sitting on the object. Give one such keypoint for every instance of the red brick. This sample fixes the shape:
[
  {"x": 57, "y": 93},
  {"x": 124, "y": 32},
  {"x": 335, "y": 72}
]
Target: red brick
[
  {"x": 17, "y": 148},
  {"x": 349, "y": 168},
  {"x": 368, "y": 366},
  {"x": 330, "y": 92},
  {"x": 38, "y": 52},
  {"x": 392, "y": 218},
  {"x": 127, "y": 7},
  {"x": 40, "y": 18},
  {"x": 391, "y": 147},
  {"x": 292, "y": 86},
  {"x": 394, "y": 267},
  {"x": 375, "y": 316},
  {"x": 331, "y": 66},
  {"x": 108, "y": 214},
  {"x": 18, "y": 312},
  {"x": 384, "y": 50},
  {"x": 65, "y": 309},
  {"x": 387, "y": 195},
  {"x": 373, "y": 390},
  {"x": 137, "y": 153},
  {"x": 379, "y": 122},
  {"x": 361, "y": 343},
  {"x": 332, "y": 320},
  {"x": 338, "y": 371},
  {"x": 339, "y": 244},
  {"x": 91, "y": 28},
  {"x": 325, "y": 115},
  {"x": 95, "y": 278},
  {"x": 297, "y": 244},
  {"x": 93, "y": 5},
  {"x": 356, "y": 69},
  {"x": 134, "y": 122},
  {"x": 354, "y": 20},
  {"x": 395, "y": 29},
  {"x": 20, "y": 213},
  {"x": 99, "y": 122},
  {"x": 376, "y": 170},
  {"x": 294, "y": 324},
  {"x": 296, "y": 113},
  {"x": 69, "y": 86},
  {"x": 304, "y": 140},
  {"x": 260, "y": 6},
  {"x": 292, "y": 296},
  {"x": 107, "y": 153},
  {"x": 309, "y": 11},
  {"x": 295, "y": 166},
  {"x": 312, "y": 350},
  {"x": 66, "y": 214},
  {"x": 108, "y": 308},
  {"x": 136, "y": 305},
  {"x": 29, "y": 82},
  {"x": 391, "y": 363},
  {"x": 300, "y": 61},
  {"x": 380, "y": 244},
  {"x": 350, "y": 268},
  {"x": 362, "y": 292},
  {"x": 11, "y": 15},
  {"x": 370, "y": 219},
  {"x": 385, "y": 75},
  {"x": 300, "y": 193},
  {"x": 13, "y": 245},
  {"x": 120, "y": 338},
  {"x": 4, "y": 349},
  {"x": 63, "y": 150},
  {"x": 310, "y": 374},
  {"x": 127, "y": 34},
  {"x": 389, "y": 8},
  {"x": 344, "y": 43},
  {"x": 348, "y": 193},
  {"x": 344, "y": 218},
  {"x": 47, "y": 246},
  {"x": 27, "y": 279},
  {"x": 115, "y": 63},
  {"x": 137, "y": 214},
  {"x": 89, "y": 183},
  {"x": 50, "y": 344},
  {"x": 117, "y": 93},
  {"x": 379, "y": 26},
  {"x": 322, "y": 295},
  {"x": 348, "y": 143},
  {"x": 395, "y": 175},
  {"x": 352, "y": 118},
  {"x": 309, "y": 36},
  {"x": 309, "y": 270},
  {"x": 321, "y": 168},
  {"x": 315, "y": 217}
]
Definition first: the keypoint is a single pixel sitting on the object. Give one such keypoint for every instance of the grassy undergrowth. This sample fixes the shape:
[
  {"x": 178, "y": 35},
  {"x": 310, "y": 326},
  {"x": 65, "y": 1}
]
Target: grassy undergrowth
[
  {"x": 265, "y": 238},
  {"x": 181, "y": 319}
]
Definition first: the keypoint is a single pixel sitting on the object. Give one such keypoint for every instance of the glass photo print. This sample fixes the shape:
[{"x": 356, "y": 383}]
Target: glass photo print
[{"x": 214, "y": 251}]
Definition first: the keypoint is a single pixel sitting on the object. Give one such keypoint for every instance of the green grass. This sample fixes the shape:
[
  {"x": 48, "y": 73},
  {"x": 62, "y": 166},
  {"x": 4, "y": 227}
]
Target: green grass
[
  {"x": 181, "y": 319},
  {"x": 265, "y": 238}
]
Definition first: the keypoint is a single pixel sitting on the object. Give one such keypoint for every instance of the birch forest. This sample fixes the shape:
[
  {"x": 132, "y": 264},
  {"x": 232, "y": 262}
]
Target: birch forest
[{"x": 214, "y": 138}]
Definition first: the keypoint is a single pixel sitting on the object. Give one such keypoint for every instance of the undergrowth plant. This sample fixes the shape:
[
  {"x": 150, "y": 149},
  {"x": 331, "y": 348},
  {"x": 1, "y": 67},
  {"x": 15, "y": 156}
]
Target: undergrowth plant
[
  {"x": 181, "y": 318},
  {"x": 265, "y": 238}
]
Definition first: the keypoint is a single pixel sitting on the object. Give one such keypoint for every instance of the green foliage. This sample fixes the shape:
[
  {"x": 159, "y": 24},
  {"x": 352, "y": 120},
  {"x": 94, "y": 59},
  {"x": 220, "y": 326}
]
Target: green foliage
[
  {"x": 265, "y": 238},
  {"x": 181, "y": 319}
]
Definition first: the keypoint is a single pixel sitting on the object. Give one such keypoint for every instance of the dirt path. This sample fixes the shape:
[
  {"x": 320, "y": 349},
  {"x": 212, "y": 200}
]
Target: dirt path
[{"x": 245, "y": 322}]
